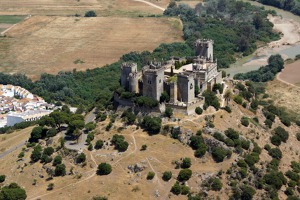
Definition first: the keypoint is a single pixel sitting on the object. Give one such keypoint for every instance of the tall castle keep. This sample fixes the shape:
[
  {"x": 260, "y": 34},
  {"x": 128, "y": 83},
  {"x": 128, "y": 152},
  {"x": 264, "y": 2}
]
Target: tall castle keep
[{"x": 182, "y": 85}]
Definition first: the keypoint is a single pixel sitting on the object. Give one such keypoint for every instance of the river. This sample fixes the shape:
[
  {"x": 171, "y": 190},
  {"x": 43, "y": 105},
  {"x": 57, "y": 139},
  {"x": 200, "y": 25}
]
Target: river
[{"x": 256, "y": 60}]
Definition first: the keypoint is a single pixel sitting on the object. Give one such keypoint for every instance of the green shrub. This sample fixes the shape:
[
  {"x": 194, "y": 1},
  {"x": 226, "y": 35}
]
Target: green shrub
[
  {"x": 90, "y": 13},
  {"x": 298, "y": 136},
  {"x": 186, "y": 163},
  {"x": 185, "y": 190},
  {"x": 2, "y": 178},
  {"x": 176, "y": 189},
  {"x": 219, "y": 154},
  {"x": 245, "y": 121},
  {"x": 57, "y": 160},
  {"x": 276, "y": 140},
  {"x": 275, "y": 153},
  {"x": 184, "y": 175},
  {"x": 238, "y": 99},
  {"x": 198, "y": 111},
  {"x": 99, "y": 144},
  {"x": 60, "y": 170},
  {"x": 282, "y": 133},
  {"x": 167, "y": 175},
  {"x": 150, "y": 175},
  {"x": 81, "y": 158},
  {"x": 216, "y": 184},
  {"x": 104, "y": 169},
  {"x": 201, "y": 150}
]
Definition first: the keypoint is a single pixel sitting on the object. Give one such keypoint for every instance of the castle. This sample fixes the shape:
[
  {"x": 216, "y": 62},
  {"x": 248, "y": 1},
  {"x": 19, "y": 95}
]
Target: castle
[{"x": 180, "y": 84}]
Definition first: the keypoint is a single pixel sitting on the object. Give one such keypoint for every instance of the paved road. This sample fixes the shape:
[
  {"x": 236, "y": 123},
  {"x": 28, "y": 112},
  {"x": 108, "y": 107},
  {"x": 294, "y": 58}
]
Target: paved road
[
  {"x": 12, "y": 149},
  {"x": 90, "y": 117}
]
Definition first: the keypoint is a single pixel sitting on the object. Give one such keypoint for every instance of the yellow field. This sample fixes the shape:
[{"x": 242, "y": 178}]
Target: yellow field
[{"x": 52, "y": 44}]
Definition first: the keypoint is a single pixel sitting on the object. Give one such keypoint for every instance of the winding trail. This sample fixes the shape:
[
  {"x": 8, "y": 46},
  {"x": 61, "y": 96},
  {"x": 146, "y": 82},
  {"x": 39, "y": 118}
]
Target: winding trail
[
  {"x": 12, "y": 149},
  {"x": 92, "y": 170},
  {"x": 278, "y": 78},
  {"x": 151, "y": 4}
]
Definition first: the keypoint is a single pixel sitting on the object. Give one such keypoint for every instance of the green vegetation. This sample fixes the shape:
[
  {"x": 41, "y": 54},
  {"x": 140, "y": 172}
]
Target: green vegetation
[
  {"x": 90, "y": 13},
  {"x": 119, "y": 142},
  {"x": 152, "y": 124},
  {"x": 233, "y": 25},
  {"x": 99, "y": 144},
  {"x": 2, "y": 178},
  {"x": 184, "y": 175},
  {"x": 167, "y": 175},
  {"x": 81, "y": 158},
  {"x": 186, "y": 163},
  {"x": 266, "y": 73},
  {"x": 104, "y": 169},
  {"x": 219, "y": 154},
  {"x": 198, "y": 111},
  {"x": 60, "y": 170},
  {"x": 289, "y": 5},
  {"x": 11, "y": 19},
  {"x": 12, "y": 192},
  {"x": 150, "y": 175}
]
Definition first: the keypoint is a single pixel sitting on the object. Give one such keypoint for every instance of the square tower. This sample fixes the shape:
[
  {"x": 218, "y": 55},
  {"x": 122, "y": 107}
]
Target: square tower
[
  {"x": 129, "y": 79},
  {"x": 204, "y": 49},
  {"x": 186, "y": 87},
  {"x": 153, "y": 80}
]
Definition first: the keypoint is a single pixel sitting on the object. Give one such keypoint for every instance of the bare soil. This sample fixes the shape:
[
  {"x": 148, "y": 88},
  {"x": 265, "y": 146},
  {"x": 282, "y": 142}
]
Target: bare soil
[
  {"x": 291, "y": 73},
  {"x": 51, "y": 44}
]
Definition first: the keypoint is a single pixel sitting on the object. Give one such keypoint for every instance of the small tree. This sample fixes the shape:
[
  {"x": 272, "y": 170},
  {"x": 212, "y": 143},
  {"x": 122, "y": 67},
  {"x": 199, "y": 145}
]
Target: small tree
[
  {"x": 201, "y": 150},
  {"x": 104, "y": 169},
  {"x": 167, "y": 175},
  {"x": 176, "y": 189},
  {"x": 184, "y": 175},
  {"x": 50, "y": 186},
  {"x": 150, "y": 175},
  {"x": 81, "y": 158},
  {"x": 90, "y": 13},
  {"x": 57, "y": 160},
  {"x": 186, "y": 163},
  {"x": 245, "y": 121},
  {"x": 144, "y": 147},
  {"x": 216, "y": 185},
  {"x": 168, "y": 112},
  {"x": 198, "y": 111},
  {"x": 60, "y": 170},
  {"x": 2, "y": 178},
  {"x": 48, "y": 151},
  {"x": 99, "y": 144}
]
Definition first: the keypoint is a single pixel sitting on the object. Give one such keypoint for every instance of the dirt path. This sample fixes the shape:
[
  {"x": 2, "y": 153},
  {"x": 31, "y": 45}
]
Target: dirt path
[
  {"x": 151, "y": 4},
  {"x": 12, "y": 149},
  {"x": 283, "y": 81}
]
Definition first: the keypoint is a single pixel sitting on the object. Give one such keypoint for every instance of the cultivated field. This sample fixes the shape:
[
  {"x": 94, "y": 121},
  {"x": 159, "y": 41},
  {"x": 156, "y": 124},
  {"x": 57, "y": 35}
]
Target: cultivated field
[
  {"x": 72, "y": 7},
  {"x": 291, "y": 73},
  {"x": 52, "y": 44}
]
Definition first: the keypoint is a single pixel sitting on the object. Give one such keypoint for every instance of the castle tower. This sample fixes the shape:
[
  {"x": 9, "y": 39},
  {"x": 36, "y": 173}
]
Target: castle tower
[
  {"x": 129, "y": 78},
  {"x": 173, "y": 92},
  {"x": 153, "y": 80},
  {"x": 186, "y": 87},
  {"x": 204, "y": 48}
]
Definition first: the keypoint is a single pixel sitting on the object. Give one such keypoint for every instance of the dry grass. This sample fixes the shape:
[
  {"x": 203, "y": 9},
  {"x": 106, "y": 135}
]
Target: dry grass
[
  {"x": 71, "y": 7},
  {"x": 285, "y": 95},
  {"x": 52, "y": 44}
]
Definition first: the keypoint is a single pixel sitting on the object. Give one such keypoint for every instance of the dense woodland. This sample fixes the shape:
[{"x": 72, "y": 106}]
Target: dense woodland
[
  {"x": 265, "y": 73},
  {"x": 234, "y": 26},
  {"x": 288, "y": 5}
]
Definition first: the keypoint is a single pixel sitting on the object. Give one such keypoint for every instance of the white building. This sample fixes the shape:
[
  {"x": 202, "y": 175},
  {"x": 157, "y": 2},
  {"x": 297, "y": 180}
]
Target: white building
[{"x": 31, "y": 115}]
